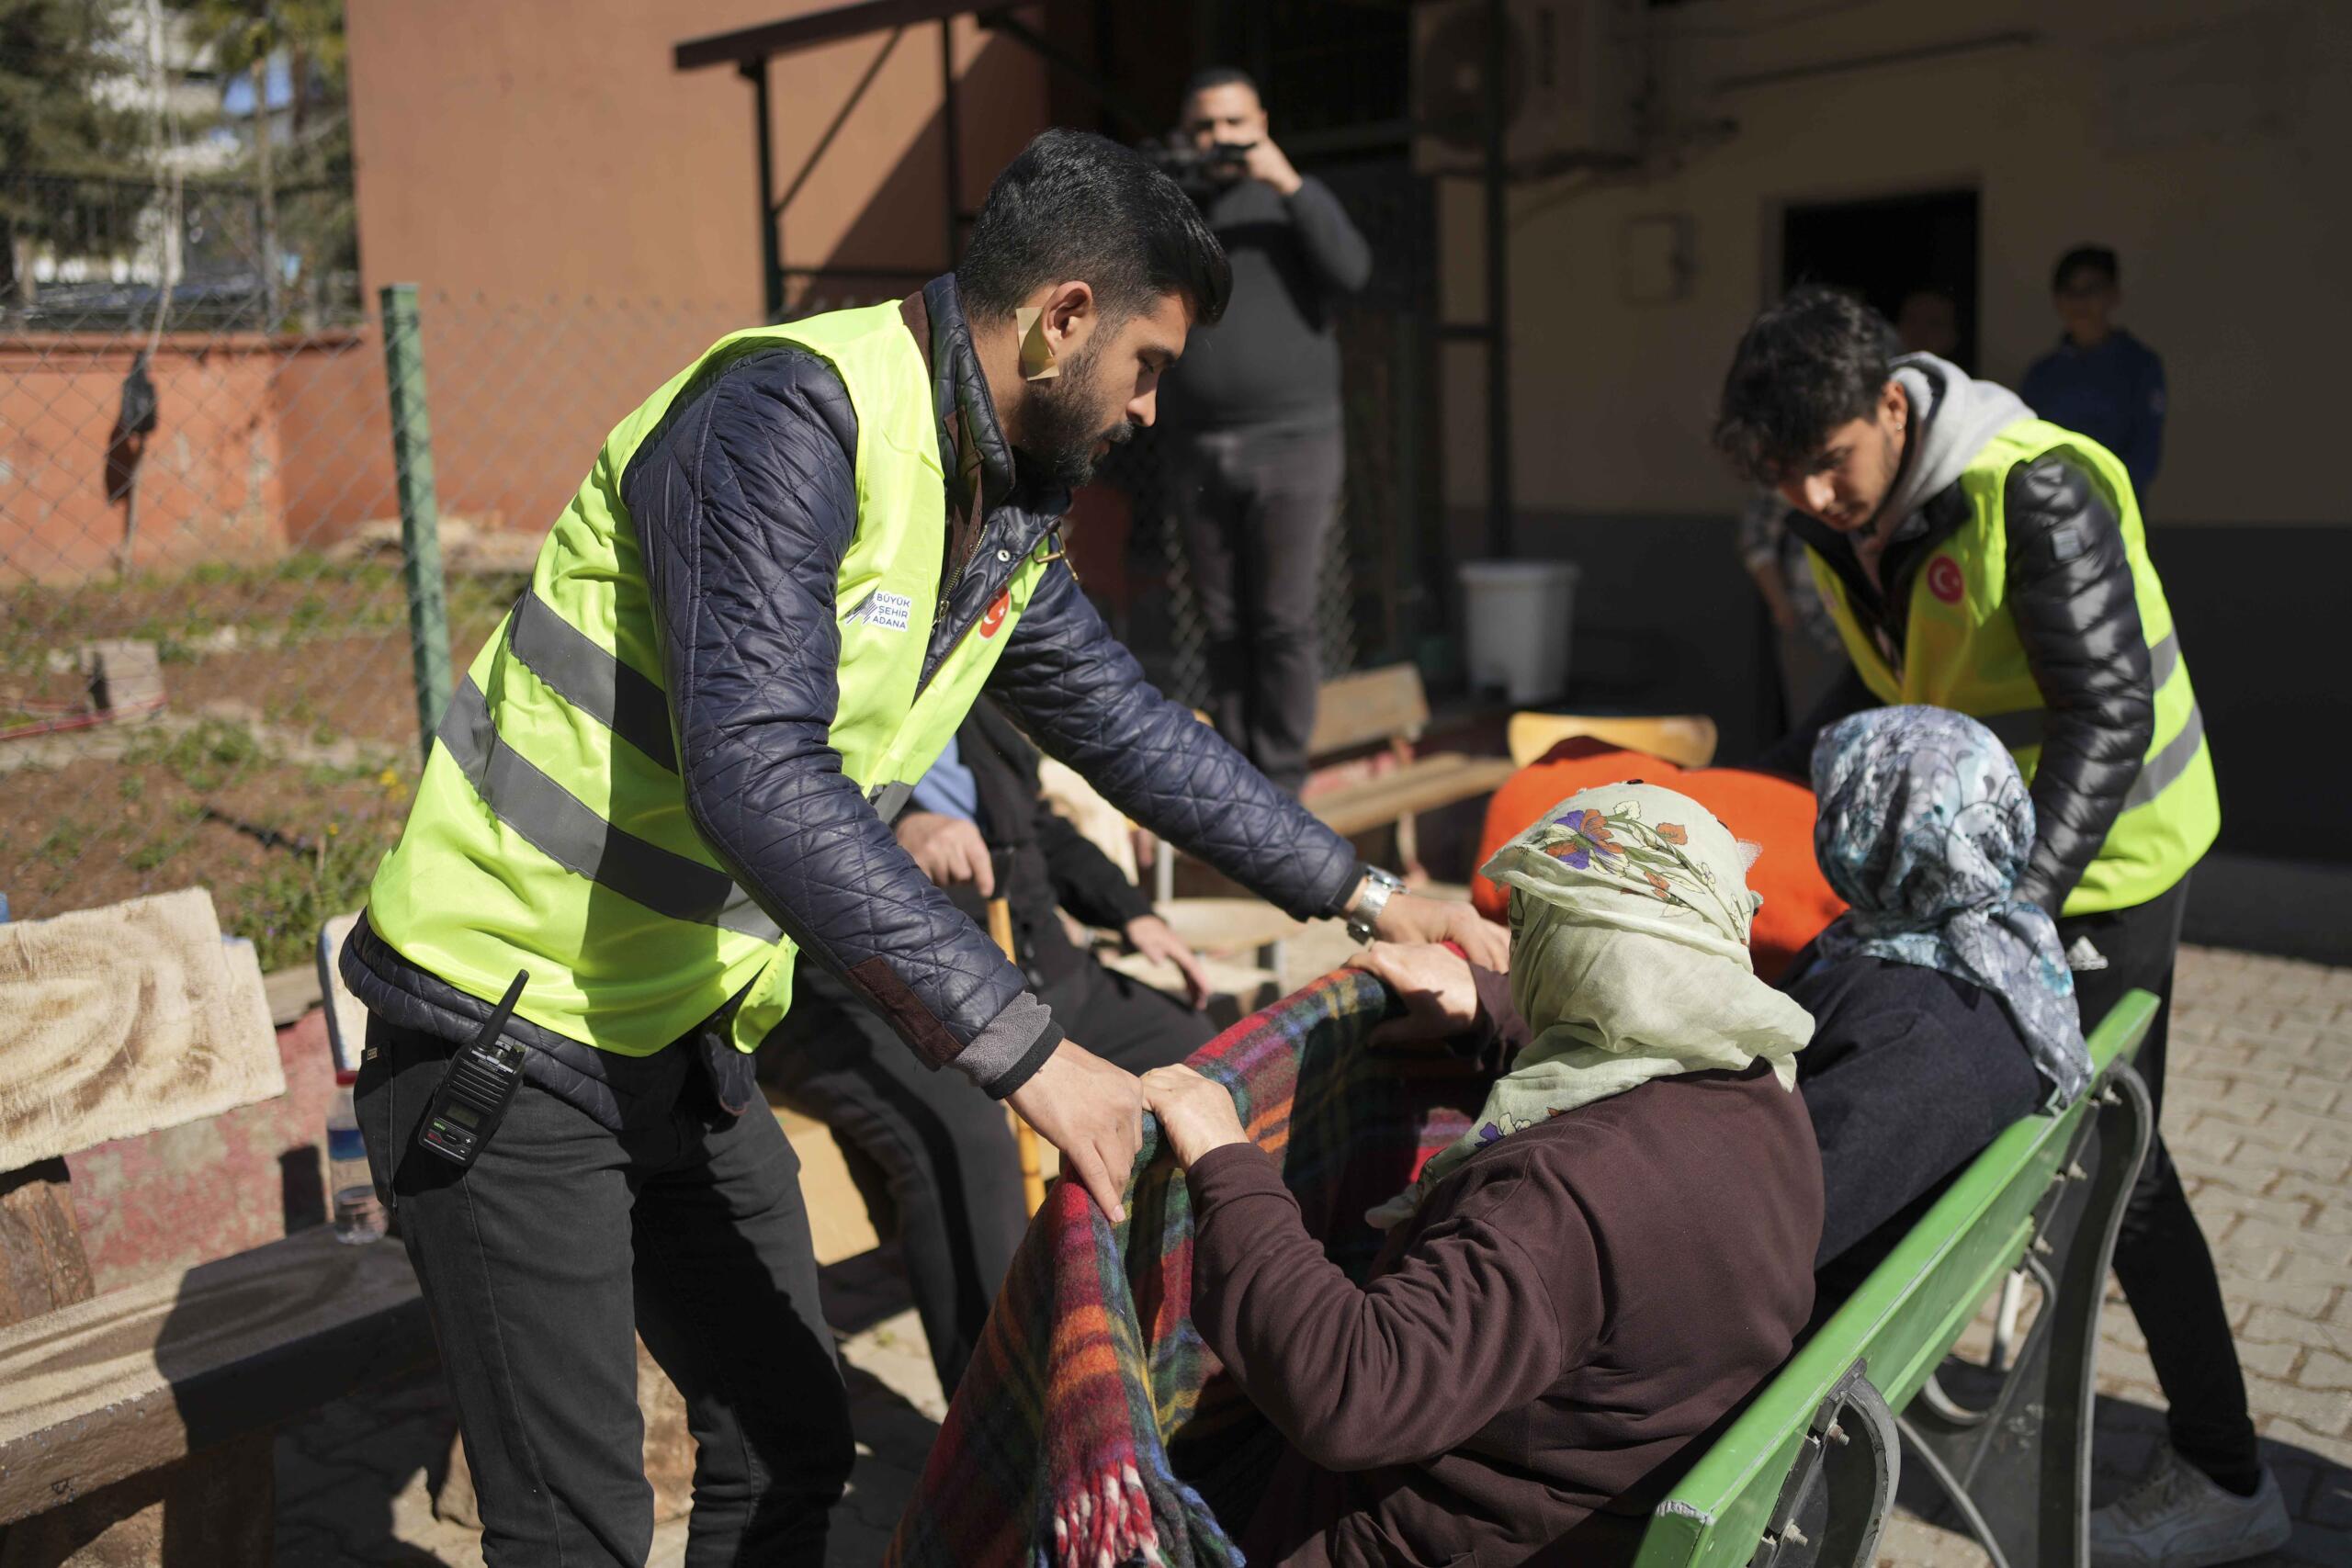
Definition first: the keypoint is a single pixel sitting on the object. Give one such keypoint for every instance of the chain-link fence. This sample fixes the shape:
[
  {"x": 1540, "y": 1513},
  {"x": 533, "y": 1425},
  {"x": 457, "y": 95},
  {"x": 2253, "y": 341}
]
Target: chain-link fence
[{"x": 206, "y": 668}]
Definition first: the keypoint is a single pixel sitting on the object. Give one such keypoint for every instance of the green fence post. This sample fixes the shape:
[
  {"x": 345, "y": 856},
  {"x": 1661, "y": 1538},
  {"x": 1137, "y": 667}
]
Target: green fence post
[{"x": 428, "y": 611}]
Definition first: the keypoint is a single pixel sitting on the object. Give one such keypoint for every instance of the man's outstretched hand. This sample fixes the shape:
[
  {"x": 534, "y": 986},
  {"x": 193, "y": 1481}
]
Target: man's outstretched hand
[
  {"x": 1093, "y": 1113},
  {"x": 1412, "y": 918}
]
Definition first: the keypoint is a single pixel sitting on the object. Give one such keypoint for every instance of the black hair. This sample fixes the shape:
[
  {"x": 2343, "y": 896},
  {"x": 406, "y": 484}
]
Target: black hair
[
  {"x": 1209, "y": 77},
  {"x": 1075, "y": 205},
  {"x": 1807, "y": 364},
  {"x": 2098, "y": 258}
]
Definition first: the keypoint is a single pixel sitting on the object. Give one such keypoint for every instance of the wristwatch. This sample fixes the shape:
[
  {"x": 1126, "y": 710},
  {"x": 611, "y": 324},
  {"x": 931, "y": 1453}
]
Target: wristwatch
[{"x": 1372, "y": 897}]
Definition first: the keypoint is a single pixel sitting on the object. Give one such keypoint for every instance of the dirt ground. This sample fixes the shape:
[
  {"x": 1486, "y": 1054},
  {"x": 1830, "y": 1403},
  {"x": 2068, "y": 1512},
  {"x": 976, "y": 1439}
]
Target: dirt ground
[{"x": 277, "y": 772}]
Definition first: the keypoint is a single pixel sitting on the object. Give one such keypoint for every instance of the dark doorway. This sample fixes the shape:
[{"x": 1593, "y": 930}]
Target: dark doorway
[{"x": 1888, "y": 249}]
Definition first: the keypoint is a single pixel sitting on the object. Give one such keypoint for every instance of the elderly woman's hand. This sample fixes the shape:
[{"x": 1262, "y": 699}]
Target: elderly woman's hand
[
  {"x": 1433, "y": 982},
  {"x": 1197, "y": 1113}
]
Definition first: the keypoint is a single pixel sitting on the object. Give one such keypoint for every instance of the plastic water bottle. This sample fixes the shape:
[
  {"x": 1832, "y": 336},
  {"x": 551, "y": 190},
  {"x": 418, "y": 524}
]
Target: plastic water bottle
[{"x": 358, "y": 1218}]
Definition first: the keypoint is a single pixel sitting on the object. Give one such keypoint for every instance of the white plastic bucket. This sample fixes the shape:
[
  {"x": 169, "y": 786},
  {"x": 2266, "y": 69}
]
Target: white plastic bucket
[{"x": 1519, "y": 614}]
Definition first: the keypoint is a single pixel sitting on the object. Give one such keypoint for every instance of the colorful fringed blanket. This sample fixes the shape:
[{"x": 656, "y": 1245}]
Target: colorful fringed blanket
[{"x": 1093, "y": 1419}]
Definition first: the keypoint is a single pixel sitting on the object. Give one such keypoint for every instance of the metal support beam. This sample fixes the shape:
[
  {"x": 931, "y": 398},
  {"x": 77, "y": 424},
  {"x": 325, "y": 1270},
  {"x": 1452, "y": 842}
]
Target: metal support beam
[
  {"x": 763, "y": 137},
  {"x": 749, "y": 44},
  {"x": 951, "y": 136},
  {"x": 1499, "y": 530},
  {"x": 428, "y": 614}
]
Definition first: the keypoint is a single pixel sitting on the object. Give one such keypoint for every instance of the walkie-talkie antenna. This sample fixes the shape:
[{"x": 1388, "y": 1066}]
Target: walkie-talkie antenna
[{"x": 495, "y": 1024}]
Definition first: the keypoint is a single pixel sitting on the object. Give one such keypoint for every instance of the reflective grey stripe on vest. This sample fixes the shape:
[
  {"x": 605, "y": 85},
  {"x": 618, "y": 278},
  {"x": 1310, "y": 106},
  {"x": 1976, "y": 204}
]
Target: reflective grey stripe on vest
[
  {"x": 2169, "y": 765},
  {"x": 2021, "y": 729},
  {"x": 621, "y": 699},
  {"x": 2163, "y": 660},
  {"x": 889, "y": 799},
  {"x": 556, "y": 823}
]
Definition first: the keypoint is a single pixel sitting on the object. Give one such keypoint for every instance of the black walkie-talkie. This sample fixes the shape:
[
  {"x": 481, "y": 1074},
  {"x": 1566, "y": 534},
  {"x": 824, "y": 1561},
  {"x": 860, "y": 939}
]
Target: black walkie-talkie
[{"x": 477, "y": 1089}]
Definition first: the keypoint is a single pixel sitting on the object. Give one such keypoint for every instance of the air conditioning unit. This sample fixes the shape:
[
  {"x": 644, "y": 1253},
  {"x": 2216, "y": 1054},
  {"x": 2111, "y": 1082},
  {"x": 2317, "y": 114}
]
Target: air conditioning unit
[{"x": 1572, "y": 76}]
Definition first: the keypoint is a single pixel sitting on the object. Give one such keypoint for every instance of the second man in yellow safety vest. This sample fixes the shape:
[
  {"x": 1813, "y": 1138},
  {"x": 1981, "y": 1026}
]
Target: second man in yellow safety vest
[{"x": 1981, "y": 560}]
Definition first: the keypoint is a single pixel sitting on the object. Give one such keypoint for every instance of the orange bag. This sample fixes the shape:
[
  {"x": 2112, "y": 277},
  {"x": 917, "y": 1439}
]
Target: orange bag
[{"x": 1760, "y": 807}]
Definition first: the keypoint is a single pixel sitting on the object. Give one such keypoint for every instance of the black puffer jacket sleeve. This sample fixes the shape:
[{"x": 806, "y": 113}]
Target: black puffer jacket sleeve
[
  {"x": 744, "y": 503},
  {"x": 1081, "y": 695},
  {"x": 2071, "y": 591}
]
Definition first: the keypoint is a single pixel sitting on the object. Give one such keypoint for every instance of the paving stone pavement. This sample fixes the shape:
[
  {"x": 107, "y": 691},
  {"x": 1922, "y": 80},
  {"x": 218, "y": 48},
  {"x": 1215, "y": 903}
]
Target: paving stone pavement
[{"x": 2260, "y": 1077}]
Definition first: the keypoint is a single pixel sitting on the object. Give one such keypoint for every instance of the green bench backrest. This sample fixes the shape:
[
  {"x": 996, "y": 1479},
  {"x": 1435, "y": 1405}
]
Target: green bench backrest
[{"x": 1900, "y": 1323}]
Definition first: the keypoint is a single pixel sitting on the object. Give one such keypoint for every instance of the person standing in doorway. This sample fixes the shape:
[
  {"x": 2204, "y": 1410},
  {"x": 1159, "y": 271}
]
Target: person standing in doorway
[
  {"x": 1927, "y": 321},
  {"x": 2100, "y": 379},
  {"x": 1254, "y": 417},
  {"x": 1981, "y": 560}
]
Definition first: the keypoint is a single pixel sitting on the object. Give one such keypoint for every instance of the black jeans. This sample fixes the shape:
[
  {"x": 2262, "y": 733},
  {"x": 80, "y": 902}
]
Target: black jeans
[
  {"x": 2161, "y": 1259},
  {"x": 1255, "y": 505},
  {"x": 563, "y": 1239},
  {"x": 943, "y": 1150}
]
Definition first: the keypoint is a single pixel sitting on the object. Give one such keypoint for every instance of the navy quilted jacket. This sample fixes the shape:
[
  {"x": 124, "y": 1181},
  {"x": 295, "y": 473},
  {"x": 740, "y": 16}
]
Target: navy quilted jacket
[{"x": 744, "y": 501}]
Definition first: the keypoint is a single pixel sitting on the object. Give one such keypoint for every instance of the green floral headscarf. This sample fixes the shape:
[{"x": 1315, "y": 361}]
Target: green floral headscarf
[{"x": 1629, "y": 916}]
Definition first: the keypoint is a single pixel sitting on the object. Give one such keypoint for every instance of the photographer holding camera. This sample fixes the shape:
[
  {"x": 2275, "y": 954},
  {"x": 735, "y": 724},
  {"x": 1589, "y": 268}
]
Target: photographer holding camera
[{"x": 1253, "y": 414}]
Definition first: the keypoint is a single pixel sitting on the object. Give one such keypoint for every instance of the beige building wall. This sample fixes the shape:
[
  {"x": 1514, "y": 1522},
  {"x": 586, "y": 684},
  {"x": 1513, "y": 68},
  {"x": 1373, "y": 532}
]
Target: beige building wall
[{"x": 2210, "y": 143}]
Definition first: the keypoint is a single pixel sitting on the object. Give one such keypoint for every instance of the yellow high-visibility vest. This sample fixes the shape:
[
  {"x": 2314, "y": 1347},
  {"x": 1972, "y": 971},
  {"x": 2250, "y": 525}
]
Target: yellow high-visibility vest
[
  {"x": 1962, "y": 651},
  {"x": 550, "y": 829}
]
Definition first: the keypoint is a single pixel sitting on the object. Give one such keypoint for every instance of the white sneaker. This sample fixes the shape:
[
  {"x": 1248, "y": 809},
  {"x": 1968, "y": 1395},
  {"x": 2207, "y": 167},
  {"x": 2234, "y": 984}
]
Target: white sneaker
[{"x": 2177, "y": 1517}]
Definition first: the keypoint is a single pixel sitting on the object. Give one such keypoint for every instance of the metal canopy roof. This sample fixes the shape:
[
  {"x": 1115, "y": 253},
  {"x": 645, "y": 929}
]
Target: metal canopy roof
[{"x": 749, "y": 46}]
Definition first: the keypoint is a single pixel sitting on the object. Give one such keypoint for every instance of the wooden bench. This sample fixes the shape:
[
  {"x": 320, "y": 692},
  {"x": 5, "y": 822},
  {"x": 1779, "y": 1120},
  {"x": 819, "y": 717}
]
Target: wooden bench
[
  {"x": 1387, "y": 709},
  {"x": 1373, "y": 711},
  {"x": 1686, "y": 741},
  {"x": 171, "y": 1389},
  {"x": 1807, "y": 1472}
]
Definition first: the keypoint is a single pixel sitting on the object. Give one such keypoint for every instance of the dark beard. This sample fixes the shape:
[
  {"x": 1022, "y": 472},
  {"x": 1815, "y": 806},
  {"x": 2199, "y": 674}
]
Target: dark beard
[{"x": 1059, "y": 433}]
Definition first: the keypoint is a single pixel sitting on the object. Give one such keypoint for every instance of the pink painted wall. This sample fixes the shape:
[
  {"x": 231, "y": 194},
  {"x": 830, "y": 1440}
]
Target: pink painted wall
[{"x": 263, "y": 445}]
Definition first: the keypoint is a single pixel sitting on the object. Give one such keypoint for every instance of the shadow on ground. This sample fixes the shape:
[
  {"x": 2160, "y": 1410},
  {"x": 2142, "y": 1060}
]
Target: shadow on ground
[{"x": 2128, "y": 1437}]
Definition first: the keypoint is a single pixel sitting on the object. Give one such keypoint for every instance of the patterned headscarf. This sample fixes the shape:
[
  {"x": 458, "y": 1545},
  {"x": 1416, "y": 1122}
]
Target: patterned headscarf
[
  {"x": 1924, "y": 829},
  {"x": 1629, "y": 916}
]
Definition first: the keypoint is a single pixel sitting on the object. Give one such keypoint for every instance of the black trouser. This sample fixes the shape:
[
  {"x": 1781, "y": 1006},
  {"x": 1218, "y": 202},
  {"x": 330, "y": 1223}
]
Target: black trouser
[
  {"x": 563, "y": 1238},
  {"x": 2161, "y": 1258},
  {"x": 944, "y": 1149},
  {"x": 1255, "y": 505}
]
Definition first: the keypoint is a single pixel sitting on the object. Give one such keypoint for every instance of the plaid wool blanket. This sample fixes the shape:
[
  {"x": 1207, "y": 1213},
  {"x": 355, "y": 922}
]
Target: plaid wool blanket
[{"x": 1094, "y": 1427}]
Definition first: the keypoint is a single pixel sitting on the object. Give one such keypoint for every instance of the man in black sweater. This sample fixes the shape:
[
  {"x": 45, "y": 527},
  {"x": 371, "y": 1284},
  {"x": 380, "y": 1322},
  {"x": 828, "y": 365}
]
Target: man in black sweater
[
  {"x": 941, "y": 1151},
  {"x": 1253, "y": 414}
]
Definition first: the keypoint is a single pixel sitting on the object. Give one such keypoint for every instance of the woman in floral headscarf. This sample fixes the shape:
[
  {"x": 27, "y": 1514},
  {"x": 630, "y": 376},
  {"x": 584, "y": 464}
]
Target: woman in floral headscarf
[
  {"x": 1617, "y": 1253},
  {"x": 1943, "y": 1006}
]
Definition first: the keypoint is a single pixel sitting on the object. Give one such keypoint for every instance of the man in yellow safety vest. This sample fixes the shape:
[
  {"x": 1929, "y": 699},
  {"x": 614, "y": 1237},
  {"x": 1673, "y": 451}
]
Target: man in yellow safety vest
[
  {"x": 1978, "y": 558},
  {"x": 668, "y": 780}
]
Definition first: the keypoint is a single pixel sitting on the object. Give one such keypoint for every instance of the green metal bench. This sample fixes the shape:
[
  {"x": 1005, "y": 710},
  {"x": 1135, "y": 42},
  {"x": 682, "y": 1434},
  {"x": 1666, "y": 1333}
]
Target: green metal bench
[{"x": 1806, "y": 1474}]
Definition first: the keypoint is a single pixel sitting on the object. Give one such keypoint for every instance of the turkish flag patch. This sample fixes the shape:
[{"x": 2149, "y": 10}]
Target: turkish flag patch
[{"x": 1943, "y": 580}]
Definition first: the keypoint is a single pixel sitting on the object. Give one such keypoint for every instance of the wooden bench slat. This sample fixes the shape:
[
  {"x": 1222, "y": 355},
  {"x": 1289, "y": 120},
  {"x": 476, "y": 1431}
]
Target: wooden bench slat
[
  {"x": 1368, "y": 707},
  {"x": 1423, "y": 784},
  {"x": 136, "y": 1378}
]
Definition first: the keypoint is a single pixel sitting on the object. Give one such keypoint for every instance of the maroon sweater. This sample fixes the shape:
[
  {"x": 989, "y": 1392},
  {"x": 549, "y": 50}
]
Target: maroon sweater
[{"x": 1536, "y": 1346}]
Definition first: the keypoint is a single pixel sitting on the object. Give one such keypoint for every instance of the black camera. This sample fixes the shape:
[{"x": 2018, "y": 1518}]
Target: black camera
[{"x": 1199, "y": 172}]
